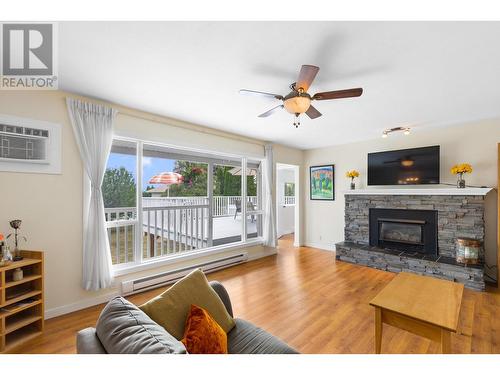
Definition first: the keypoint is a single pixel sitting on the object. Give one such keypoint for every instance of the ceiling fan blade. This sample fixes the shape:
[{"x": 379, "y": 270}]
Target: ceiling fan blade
[
  {"x": 271, "y": 111},
  {"x": 306, "y": 76},
  {"x": 313, "y": 113},
  {"x": 260, "y": 93},
  {"x": 339, "y": 94}
]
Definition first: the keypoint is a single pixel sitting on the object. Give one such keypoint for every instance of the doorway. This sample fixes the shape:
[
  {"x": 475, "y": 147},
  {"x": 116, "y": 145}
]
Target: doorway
[{"x": 287, "y": 202}]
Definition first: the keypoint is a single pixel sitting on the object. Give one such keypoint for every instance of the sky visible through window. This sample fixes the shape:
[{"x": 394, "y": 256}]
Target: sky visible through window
[{"x": 151, "y": 166}]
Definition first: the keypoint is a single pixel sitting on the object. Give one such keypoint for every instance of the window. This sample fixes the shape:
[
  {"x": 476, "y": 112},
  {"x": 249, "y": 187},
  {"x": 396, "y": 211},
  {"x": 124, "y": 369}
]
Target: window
[
  {"x": 227, "y": 209},
  {"x": 289, "y": 194},
  {"x": 254, "y": 199},
  {"x": 174, "y": 202},
  {"x": 188, "y": 201},
  {"x": 119, "y": 191}
]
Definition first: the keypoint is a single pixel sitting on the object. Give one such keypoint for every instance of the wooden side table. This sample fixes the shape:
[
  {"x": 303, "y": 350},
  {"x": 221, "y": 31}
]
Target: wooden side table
[{"x": 422, "y": 305}]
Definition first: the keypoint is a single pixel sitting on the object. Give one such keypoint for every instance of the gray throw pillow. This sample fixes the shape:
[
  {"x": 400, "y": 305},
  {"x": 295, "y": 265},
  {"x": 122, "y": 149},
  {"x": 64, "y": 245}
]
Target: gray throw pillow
[{"x": 123, "y": 328}]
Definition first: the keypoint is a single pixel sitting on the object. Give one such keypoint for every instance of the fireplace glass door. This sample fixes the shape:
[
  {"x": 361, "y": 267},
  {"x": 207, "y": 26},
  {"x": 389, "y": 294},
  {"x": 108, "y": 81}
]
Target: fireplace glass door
[
  {"x": 407, "y": 232},
  {"x": 411, "y": 231}
]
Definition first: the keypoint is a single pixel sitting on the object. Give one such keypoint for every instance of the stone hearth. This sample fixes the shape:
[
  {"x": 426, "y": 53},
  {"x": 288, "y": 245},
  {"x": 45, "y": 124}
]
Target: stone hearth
[
  {"x": 458, "y": 216},
  {"x": 395, "y": 261}
]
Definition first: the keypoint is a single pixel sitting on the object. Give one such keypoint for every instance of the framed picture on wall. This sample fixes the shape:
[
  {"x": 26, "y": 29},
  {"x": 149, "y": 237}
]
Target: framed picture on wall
[{"x": 322, "y": 183}]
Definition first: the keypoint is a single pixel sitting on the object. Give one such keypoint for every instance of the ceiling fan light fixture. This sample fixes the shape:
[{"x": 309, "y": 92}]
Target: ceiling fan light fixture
[
  {"x": 297, "y": 104},
  {"x": 407, "y": 131},
  {"x": 407, "y": 163},
  {"x": 298, "y": 101},
  {"x": 384, "y": 134}
]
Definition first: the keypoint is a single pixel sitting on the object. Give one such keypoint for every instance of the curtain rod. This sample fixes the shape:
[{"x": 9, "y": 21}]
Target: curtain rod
[{"x": 142, "y": 115}]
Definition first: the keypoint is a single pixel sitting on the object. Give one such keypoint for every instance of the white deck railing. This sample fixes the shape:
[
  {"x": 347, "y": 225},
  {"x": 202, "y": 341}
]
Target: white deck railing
[
  {"x": 175, "y": 229},
  {"x": 170, "y": 225},
  {"x": 221, "y": 206},
  {"x": 226, "y": 206}
]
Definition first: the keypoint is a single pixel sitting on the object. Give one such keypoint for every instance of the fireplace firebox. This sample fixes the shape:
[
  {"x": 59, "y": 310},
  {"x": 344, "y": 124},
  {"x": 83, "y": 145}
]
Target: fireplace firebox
[{"x": 403, "y": 229}]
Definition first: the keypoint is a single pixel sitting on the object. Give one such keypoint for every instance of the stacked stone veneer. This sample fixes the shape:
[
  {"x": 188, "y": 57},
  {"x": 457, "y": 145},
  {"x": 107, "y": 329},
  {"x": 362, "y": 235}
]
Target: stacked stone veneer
[
  {"x": 393, "y": 261},
  {"x": 458, "y": 216}
]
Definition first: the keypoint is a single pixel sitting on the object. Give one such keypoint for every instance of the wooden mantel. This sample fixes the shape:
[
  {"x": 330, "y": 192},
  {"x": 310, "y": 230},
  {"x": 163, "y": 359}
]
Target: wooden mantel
[{"x": 420, "y": 191}]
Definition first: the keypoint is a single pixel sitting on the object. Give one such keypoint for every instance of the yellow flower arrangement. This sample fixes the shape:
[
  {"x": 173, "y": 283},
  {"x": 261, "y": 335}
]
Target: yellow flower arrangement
[
  {"x": 352, "y": 174},
  {"x": 461, "y": 169}
]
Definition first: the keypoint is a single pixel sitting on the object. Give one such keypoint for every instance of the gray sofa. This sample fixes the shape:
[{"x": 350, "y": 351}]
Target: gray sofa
[{"x": 114, "y": 330}]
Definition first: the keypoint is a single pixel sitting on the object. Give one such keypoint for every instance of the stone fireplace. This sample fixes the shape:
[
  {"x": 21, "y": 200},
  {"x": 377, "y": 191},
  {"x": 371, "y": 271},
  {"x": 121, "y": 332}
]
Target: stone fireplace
[{"x": 414, "y": 230}]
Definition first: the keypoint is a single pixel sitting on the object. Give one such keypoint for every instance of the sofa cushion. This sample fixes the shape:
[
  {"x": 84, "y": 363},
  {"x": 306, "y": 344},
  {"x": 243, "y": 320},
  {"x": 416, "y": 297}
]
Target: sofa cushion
[
  {"x": 123, "y": 328},
  {"x": 87, "y": 342},
  {"x": 171, "y": 308},
  {"x": 245, "y": 338},
  {"x": 202, "y": 334}
]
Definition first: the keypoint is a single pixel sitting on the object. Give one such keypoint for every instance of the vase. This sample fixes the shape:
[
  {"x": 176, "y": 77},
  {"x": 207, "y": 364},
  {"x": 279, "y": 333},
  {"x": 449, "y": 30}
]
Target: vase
[
  {"x": 17, "y": 275},
  {"x": 353, "y": 185},
  {"x": 7, "y": 255},
  {"x": 460, "y": 181}
]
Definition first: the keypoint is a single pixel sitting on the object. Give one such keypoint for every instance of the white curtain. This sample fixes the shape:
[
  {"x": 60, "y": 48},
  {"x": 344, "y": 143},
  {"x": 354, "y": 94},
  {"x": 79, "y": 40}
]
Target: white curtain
[
  {"x": 269, "y": 231},
  {"x": 93, "y": 128}
]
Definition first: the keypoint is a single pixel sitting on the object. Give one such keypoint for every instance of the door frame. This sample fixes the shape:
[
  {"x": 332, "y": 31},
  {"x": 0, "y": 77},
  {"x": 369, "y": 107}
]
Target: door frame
[{"x": 296, "y": 171}]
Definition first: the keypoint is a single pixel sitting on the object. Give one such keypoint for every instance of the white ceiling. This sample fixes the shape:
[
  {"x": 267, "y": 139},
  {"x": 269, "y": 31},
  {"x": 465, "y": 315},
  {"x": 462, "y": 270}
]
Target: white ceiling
[{"x": 420, "y": 74}]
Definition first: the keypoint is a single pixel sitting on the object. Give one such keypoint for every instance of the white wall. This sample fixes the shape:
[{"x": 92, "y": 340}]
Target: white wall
[
  {"x": 285, "y": 214},
  {"x": 474, "y": 143},
  {"x": 286, "y": 155},
  {"x": 51, "y": 205}
]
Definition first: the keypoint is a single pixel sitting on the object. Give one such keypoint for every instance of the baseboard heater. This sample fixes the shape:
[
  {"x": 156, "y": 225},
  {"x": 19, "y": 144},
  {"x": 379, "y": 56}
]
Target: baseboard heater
[{"x": 170, "y": 277}]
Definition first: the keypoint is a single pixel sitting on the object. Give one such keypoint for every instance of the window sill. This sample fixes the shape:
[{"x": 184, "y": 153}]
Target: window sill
[{"x": 125, "y": 269}]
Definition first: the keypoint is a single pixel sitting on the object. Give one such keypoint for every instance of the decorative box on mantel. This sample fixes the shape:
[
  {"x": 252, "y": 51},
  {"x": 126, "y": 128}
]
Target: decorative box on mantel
[{"x": 397, "y": 241}]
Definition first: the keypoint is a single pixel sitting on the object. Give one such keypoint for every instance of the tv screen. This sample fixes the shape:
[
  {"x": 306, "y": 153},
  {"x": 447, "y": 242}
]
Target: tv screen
[{"x": 413, "y": 166}]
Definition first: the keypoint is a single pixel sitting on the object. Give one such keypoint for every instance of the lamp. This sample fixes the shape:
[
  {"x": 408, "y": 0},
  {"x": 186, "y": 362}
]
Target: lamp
[
  {"x": 407, "y": 163},
  {"x": 297, "y": 104}
]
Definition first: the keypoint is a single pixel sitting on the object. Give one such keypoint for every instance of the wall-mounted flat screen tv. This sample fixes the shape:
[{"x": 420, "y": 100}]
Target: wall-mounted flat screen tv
[{"x": 414, "y": 166}]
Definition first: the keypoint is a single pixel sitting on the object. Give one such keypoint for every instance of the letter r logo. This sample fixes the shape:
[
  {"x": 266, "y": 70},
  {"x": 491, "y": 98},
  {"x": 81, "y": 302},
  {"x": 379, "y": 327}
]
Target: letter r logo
[{"x": 27, "y": 49}]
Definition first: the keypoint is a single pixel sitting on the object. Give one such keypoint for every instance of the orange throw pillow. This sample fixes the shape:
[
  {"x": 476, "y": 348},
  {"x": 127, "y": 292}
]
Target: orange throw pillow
[{"x": 202, "y": 334}]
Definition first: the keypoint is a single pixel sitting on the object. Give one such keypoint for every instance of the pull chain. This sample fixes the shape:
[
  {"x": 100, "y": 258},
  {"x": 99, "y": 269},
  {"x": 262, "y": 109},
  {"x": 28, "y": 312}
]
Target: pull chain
[{"x": 296, "y": 121}]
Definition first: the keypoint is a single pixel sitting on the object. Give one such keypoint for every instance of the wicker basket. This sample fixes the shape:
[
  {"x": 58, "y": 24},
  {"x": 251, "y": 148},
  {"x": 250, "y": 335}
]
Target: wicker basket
[{"x": 468, "y": 250}]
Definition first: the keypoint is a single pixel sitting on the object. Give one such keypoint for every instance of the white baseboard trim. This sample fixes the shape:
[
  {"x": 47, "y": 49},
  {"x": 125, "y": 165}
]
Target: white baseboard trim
[
  {"x": 267, "y": 252},
  {"x": 80, "y": 305},
  {"x": 319, "y": 245}
]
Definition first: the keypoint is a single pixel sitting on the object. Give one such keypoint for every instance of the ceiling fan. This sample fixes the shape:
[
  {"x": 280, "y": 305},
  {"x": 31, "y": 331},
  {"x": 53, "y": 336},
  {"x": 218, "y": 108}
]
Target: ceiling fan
[{"x": 298, "y": 101}]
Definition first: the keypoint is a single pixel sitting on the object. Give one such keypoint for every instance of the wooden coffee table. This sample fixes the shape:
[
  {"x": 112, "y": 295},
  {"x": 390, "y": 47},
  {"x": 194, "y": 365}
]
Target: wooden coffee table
[{"x": 422, "y": 305}]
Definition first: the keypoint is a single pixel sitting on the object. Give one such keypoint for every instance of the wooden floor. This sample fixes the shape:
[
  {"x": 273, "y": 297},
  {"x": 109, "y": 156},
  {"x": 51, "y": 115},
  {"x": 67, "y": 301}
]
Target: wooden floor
[{"x": 312, "y": 302}]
